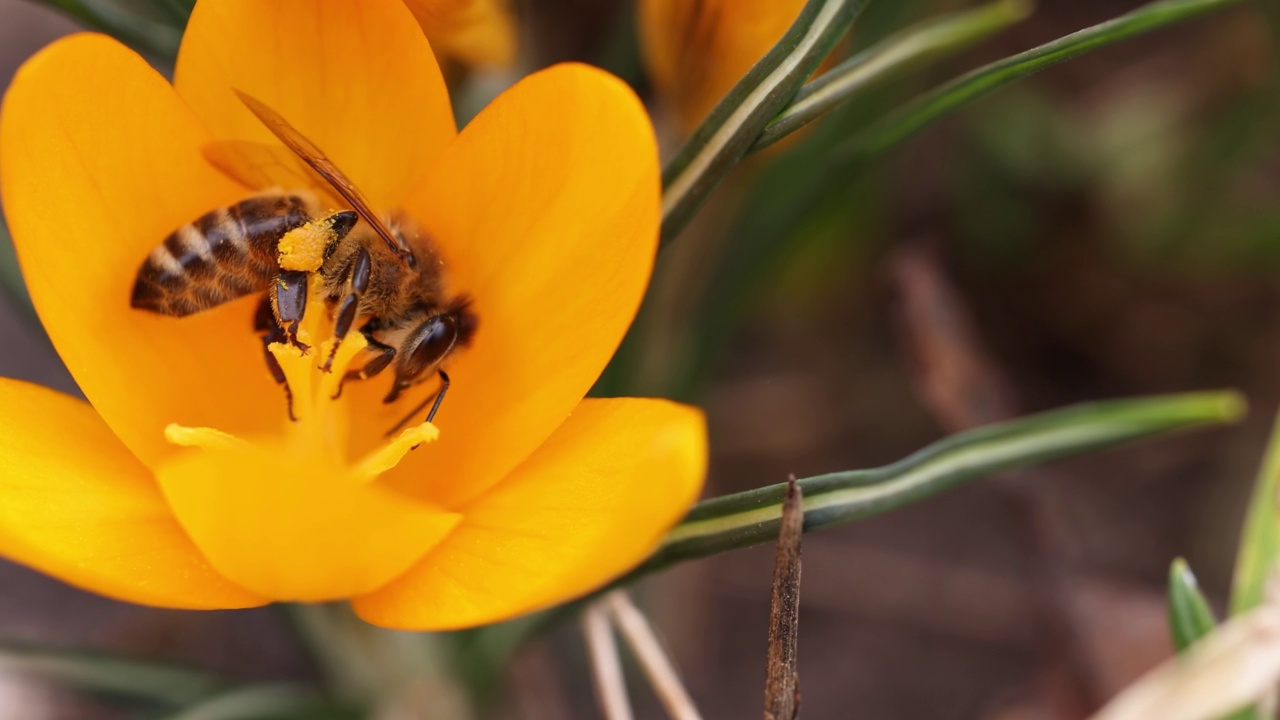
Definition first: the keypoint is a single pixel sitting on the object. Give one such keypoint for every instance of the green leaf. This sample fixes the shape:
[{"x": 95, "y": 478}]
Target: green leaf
[
  {"x": 752, "y": 517},
  {"x": 732, "y": 127},
  {"x": 1260, "y": 536},
  {"x": 919, "y": 43},
  {"x": 1190, "y": 617},
  {"x": 960, "y": 92},
  {"x": 837, "y": 174},
  {"x": 154, "y": 682},
  {"x": 263, "y": 702},
  {"x": 1249, "y": 713}
]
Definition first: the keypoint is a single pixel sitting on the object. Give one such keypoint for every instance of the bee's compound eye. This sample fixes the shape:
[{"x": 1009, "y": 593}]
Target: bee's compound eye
[{"x": 431, "y": 342}]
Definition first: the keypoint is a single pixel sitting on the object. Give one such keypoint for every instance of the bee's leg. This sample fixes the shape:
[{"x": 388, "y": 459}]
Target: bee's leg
[
  {"x": 357, "y": 283},
  {"x": 385, "y": 355},
  {"x": 437, "y": 396},
  {"x": 273, "y": 366},
  {"x": 289, "y": 302},
  {"x": 264, "y": 322},
  {"x": 444, "y": 388}
]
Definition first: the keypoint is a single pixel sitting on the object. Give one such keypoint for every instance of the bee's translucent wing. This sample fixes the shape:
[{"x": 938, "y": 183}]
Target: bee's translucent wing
[
  {"x": 321, "y": 164},
  {"x": 262, "y": 166}
]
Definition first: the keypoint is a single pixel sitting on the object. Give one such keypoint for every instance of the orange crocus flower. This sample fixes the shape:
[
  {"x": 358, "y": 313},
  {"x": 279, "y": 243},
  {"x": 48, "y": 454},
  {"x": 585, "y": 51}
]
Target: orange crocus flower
[
  {"x": 475, "y": 32},
  {"x": 697, "y": 50},
  {"x": 182, "y": 483}
]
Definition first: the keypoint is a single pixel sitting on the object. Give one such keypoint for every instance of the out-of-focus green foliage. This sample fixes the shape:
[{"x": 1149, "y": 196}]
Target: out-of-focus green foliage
[
  {"x": 139, "y": 680},
  {"x": 816, "y": 193},
  {"x": 964, "y": 90},
  {"x": 1260, "y": 537},
  {"x": 929, "y": 40},
  {"x": 265, "y": 702},
  {"x": 1190, "y": 617}
]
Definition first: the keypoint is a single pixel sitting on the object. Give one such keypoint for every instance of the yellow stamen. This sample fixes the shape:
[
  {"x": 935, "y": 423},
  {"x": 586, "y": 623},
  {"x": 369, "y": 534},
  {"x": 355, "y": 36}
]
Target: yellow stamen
[
  {"x": 390, "y": 455},
  {"x": 296, "y": 514},
  {"x": 203, "y": 437},
  {"x": 319, "y": 429}
]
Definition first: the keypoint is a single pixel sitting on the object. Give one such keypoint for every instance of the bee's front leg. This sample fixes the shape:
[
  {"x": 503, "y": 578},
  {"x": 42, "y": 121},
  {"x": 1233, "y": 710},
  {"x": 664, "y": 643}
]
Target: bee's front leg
[
  {"x": 265, "y": 323},
  {"x": 289, "y": 303},
  {"x": 385, "y": 354},
  {"x": 358, "y": 274}
]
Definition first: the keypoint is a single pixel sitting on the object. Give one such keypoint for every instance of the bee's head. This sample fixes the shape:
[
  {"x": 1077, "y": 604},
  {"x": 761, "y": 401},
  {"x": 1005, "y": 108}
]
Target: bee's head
[{"x": 427, "y": 345}]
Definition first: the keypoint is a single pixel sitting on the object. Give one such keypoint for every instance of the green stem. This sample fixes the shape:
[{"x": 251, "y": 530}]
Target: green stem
[
  {"x": 752, "y": 517},
  {"x": 1260, "y": 535},
  {"x": 732, "y": 127},
  {"x": 121, "y": 677},
  {"x": 927, "y": 40},
  {"x": 963, "y": 90}
]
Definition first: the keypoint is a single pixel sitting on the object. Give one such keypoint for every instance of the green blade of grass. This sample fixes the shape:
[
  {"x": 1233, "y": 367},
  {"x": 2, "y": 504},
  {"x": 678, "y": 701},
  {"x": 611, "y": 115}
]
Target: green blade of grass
[
  {"x": 752, "y": 517},
  {"x": 1260, "y": 536},
  {"x": 933, "y": 105},
  {"x": 771, "y": 219},
  {"x": 732, "y": 127},
  {"x": 263, "y": 702},
  {"x": 153, "y": 682},
  {"x": 933, "y": 38},
  {"x": 1190, "y": 617}
]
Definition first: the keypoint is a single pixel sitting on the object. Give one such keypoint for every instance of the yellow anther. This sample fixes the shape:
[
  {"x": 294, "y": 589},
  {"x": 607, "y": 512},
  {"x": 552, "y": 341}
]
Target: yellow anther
[
  {"x": 390, "y": 455},
  {"x": 203, "y": 437}
]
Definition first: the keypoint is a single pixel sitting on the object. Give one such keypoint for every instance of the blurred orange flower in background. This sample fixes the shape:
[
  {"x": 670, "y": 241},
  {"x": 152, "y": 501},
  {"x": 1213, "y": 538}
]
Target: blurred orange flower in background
[
  {"x": 182, "y": 483},
  {"x": 474, "y": 32},
  {"x": 697, "y": 50}
]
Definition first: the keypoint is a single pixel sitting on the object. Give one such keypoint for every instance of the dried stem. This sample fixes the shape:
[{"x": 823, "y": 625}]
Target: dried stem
[
  {"x": 782, "y": 684},
  {"x": 611, "y": 687},
  {"x": 653, "y": 660}
]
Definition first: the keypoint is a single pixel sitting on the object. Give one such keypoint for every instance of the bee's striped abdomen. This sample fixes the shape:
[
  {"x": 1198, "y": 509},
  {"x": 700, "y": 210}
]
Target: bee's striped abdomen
[{"x": 222, "y": 255}]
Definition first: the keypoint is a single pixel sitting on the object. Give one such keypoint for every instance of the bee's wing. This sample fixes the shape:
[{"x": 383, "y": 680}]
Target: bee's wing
[
  {"x": 261, "y": 165},
  {"x": 321, "y": 164}
]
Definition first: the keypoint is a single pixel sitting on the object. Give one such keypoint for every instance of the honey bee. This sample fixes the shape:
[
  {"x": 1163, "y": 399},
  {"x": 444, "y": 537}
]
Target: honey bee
[{"x": 372, "y": 275}]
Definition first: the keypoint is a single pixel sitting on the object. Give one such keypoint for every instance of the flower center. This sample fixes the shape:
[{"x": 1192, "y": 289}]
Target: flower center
[{"x": 292, "y": 515}]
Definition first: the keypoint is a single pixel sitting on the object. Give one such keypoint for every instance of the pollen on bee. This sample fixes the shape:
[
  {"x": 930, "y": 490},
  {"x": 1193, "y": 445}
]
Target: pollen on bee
[{"x": 304, "y": 248}]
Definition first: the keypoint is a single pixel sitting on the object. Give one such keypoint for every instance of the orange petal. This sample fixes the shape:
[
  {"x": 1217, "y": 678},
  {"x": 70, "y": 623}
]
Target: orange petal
[
  {"x": 288, "y": 524},
  {"x": 476, "y": 32},
  {"x": 591, "y": 503},
  {"x": 357, "y": 78},
  {"x": 76, "y": 505},
  {"x": 697, "y": 51},
  {"x": 545, "y": 210},
  {"x": 99, "y": 161}
]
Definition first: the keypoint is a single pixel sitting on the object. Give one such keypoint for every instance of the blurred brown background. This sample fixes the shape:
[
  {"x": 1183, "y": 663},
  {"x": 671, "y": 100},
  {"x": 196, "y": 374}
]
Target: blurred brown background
[{"x": 1106, "y": 228}]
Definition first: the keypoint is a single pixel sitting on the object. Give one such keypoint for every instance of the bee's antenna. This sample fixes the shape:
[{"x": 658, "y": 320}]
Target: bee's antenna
[{"x": 437, "y": 396}]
